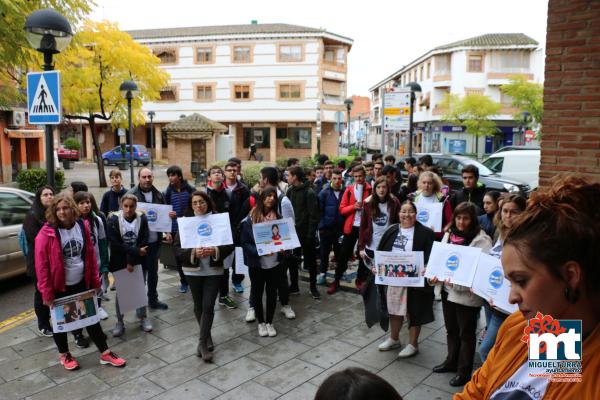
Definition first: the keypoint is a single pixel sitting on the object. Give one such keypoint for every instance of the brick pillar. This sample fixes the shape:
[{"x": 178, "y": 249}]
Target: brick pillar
[
  {"x": 157, "y": 143},
  {"x": 571, "y": 124}
]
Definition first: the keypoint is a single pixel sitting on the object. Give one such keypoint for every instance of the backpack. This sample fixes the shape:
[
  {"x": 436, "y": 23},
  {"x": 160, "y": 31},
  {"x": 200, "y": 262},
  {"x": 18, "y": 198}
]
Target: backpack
[{"x": 23, "y": 242}]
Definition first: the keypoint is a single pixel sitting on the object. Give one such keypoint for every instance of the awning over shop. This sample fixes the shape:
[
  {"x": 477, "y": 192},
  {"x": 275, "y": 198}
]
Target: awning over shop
[{"x": 24, "y": 133}]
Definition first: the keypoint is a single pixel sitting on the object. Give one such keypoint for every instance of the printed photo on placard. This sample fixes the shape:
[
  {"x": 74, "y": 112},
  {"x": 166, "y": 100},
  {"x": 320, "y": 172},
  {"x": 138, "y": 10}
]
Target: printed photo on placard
[
  {"x": 273, "y": 236},
  {"x": 399, "y": 268},
  {"x": 74, "y": 312}
]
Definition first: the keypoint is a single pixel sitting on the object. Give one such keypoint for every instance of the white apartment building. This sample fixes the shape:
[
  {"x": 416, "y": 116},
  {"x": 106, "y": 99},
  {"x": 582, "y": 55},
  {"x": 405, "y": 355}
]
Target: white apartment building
[
  {"x": 477, "y": 65},
  {"x": 277, "y": 85}
]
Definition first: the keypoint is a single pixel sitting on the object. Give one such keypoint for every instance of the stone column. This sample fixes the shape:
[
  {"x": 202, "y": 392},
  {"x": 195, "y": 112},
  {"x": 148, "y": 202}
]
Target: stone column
[
  {"x": 273, "y": 143},
  {"x": 157, "y": 143},
  {"x": 89, "y": 144}
]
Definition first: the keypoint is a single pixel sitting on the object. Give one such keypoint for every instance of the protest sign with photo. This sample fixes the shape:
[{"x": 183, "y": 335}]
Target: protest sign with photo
[
  {"x": 272, "y": 236},
  {"x": 453, "y": 262},
  {"x": 210, "y": 230},
  {"x": 399, "y": 268},
  {"x": 157, "y": 216},
  {"x": 74, "y": 312},
  {"x": 430, "y": 215},
  {"x": 490, "y": 284},
  {"x": 131, "y": 289}
]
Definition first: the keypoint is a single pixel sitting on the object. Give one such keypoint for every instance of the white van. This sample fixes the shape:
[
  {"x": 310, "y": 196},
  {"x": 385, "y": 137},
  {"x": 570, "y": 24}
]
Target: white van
[{"x": 523, "y": 165}]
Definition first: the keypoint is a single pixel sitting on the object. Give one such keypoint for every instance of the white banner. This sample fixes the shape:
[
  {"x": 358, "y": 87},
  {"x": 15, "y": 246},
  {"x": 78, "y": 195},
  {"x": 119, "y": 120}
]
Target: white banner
[
  {"x": 157, "y": 215},
  {"x": 430, "y": 215},
  {"x": 240, "y": 267},
  {"x": 399, "y": 268},
  {"x": 75, "y": 312},
  {"x": 210, "y": 230},
  {"x": 272, "y": 236},
  {"x": 452, "y": 262},
  {"x": 131, "y": 289},
  {"x": 490, "y": 284}
]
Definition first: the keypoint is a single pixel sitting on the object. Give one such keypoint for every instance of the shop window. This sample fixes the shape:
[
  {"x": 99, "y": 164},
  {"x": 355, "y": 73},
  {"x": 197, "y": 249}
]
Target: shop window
[
  {"x": 300, "y": 138},
  {"x": 281, "y": 133},
  {"x": 260, "y": 136}
]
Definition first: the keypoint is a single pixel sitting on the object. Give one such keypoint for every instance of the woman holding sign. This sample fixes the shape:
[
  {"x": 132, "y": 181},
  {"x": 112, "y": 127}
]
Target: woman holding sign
[
  {"x": 65, "y": 264},
  {"x": 460, "y": 306},
  {"x": 203, "y": 270},
  {"x": 430, "y": 186},
  {"x": 415, "y": 304}
]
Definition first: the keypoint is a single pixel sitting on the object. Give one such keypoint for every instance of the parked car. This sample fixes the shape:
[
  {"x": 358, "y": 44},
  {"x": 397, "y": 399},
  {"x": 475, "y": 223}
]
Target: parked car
[
  {"x": 140, "y": 155},
  {"x": 66, "y": 154},
  {"x": 509, "y": 148},
  {"x": 14, "y": 205},
  {"x": 521, "y": 164}
]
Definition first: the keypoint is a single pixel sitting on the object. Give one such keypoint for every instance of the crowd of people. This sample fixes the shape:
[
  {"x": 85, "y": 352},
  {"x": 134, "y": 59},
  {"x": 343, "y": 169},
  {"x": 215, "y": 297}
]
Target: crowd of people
[{"x": 547, "y": 244}]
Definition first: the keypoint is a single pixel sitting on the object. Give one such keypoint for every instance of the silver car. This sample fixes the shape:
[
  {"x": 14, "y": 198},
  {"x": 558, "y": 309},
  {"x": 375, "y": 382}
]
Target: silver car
[{"x": 14, "y": 205}]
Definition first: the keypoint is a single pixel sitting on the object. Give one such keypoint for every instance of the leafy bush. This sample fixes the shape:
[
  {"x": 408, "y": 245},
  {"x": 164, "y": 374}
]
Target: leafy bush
[
  {"x": 252, "y": 173},
  {"x": 32, "y": 179},
  {"x": 347, "y": 158},
  {"x": 72, "y": 144},
  {"x": 281, "y": 162},
  {"x": 287, "y": 143},
  {"x": 307, "y": 163}
]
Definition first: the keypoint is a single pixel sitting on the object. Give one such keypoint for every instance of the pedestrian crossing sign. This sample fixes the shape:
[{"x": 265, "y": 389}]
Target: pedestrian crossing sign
[{"x": 43, "y": 97}]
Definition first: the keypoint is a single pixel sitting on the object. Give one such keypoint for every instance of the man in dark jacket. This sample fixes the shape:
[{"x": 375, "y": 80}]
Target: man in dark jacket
[
  {"x": 473, "y": 191},
  {"x": 110, "y": 199},
  {"x": 306, "y": 211},
  {"x": 147, "y": 193},
  {"x": 330, "y": 225}
]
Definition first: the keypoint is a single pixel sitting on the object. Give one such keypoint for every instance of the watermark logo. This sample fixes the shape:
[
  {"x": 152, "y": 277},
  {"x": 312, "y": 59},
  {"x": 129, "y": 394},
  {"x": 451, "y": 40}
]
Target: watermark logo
[
  {"x": 423, "y": 216},
  {"x": 204, "y": 230},
  {"x": 453, "y": 262},
  {"x": 496, "y": 279},
  {"x": 152, "y": 216},
  {"x": 555, "y": 348}
]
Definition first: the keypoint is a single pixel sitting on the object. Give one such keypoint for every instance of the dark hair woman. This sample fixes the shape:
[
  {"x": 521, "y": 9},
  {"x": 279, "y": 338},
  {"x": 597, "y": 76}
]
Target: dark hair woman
[
  {"x": 65, "y": 264},
  {"x": 34, "y": 221},
  {"x": 264, "y": 270},
  {"x": 460, "y": 306},
  {"x": 490, "y": 206},
  {"x": 413, "y": 303},
  {"x": 203, "y": 270},
  {"x": 356, "y": 384}
]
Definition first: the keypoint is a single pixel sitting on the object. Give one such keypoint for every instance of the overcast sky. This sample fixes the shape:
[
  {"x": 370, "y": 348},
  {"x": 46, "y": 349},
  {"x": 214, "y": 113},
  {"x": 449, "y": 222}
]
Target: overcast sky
[{"x": 386, "y": 34}]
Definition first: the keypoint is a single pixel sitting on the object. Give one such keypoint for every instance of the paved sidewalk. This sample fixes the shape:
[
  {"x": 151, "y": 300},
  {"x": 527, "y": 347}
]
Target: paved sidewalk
[{"x": 327, "y": 335}]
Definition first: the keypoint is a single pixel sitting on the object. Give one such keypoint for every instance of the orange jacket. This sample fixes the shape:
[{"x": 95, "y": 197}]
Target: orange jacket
[{"x": 510, "y": 353}]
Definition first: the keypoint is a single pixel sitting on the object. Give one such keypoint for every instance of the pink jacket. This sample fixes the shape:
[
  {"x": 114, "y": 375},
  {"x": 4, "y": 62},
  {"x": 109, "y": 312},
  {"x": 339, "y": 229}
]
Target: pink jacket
[{"x": 49, "y": 264}]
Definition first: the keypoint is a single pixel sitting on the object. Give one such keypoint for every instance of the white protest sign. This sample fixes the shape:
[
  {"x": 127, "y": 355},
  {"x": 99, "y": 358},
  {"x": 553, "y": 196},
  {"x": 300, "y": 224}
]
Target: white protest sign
[
  {"x": 75, "y": 312},
  {"x": 490, "y": 284},
  {"x": 272, "y": 236},
  {"x": 131, "y": 290},
  {"x": 208, "y": 230},
  {"x": 453, "y": 262},
  {"x": 240, "y": 267},
  {"x": 157, "y": 216},
  {"x": 399, "y": 268},
  {"x": 430, "y": 215}
]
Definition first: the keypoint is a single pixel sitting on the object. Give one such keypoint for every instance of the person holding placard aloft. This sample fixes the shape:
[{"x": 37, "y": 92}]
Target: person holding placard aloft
[
  {"x": 264, "y": 271},
  {"x": 65, "y": 264},
  {"x": 203, "y": 269},
  {"x": 511, "y": 205},
  {"x": 429, "y": 192},
  {"x": 413, "y": 303},
  {"x": 459, "y": 305}
]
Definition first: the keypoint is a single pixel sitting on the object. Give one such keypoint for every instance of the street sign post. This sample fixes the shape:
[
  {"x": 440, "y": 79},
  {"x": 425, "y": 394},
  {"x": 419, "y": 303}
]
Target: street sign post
[{"x": 43, "y": 98}]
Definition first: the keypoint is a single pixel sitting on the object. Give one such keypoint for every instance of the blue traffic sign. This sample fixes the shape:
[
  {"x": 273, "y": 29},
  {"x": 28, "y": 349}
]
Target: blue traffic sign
[{"x": 43, "y": 97}]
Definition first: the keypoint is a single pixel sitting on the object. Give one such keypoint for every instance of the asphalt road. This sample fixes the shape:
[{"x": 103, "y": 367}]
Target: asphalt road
[{"x": 16, "y": 296}]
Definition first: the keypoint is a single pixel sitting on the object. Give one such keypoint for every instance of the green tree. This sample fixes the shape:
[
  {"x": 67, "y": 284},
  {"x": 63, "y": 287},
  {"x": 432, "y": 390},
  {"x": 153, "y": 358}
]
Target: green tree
[
  {"x": 100, "y": 58},
  {"x": 474, "y": 112},
  {"x": 526, "y": 97},
  {"x": 16, "y": 55}
]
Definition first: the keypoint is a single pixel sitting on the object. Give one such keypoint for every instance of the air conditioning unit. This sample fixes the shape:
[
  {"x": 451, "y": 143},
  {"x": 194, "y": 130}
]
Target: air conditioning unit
[{"x": 18, "y": 118}]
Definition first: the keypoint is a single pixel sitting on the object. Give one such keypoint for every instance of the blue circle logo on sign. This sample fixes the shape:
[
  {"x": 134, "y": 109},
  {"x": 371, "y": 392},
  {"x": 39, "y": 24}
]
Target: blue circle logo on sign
[
  {"x": 204, "y": 229},
  {"x": 453, "y": 262},
  {"x": 496, "y": 278},
  {"x": 423, "y": 216},
  {"x": 152, "y": 216}
]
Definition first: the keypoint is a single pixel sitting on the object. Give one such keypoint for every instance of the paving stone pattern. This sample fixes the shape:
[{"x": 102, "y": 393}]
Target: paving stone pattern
[{"x": 327, "y": 336}]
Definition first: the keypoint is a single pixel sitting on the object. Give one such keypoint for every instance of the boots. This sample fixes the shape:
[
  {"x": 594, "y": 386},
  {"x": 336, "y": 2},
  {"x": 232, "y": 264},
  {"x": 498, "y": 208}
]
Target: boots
[
  {"x": 205, "y": 346},
  {"x": 209, "y": 343}
]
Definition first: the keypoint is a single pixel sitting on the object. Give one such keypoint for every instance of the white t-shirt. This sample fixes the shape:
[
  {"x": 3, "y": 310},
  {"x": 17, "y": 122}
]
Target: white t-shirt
[
  {"x": 521, "y": 386},
  {"x": 380, "y": 224},
  {"x": 404, "y": 240},
  {"x": 358, "y": 194},
  {"x": 230, "y": 189},
  {"x": 152, "y": 236},
  {"x": 130, "y": 234},
  {"x": 422, "y": 199},
  {"x": 71, "y": 243}
]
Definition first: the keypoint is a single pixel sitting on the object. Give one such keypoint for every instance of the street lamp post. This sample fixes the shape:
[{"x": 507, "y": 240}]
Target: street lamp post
[
  {"x": 367, "y": 136},
  {"x": 151, "y": 115},
  {"x": 128, "y": 88},
  {"x": 48, "y": 32},
  {"x": 348, "y": 102},
  {"x": 414, "y": 89}
]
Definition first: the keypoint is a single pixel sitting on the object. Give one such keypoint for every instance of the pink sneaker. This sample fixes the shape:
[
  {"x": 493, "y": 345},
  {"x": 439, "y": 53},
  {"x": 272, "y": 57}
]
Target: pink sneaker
[
  {"x": 112, "y": 359},
  {"x": 67, "y": 361}
]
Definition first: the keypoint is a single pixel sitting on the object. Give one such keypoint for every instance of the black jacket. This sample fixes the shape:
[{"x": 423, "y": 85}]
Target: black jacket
[
  {"x": 474, "y": 196},
  {"x": 110, "y": 200},
  {"x": 157, "y": 196},
  {"x": 306, "y": 210},
  {"x": 122, "y": 254},
  {"x": 239, "y": 195},
  {"x": 34, "y": 220}
]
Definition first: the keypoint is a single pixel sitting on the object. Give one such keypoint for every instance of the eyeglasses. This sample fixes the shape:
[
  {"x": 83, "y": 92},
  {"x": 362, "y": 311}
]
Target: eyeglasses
[{"x": 199, "y": 203}]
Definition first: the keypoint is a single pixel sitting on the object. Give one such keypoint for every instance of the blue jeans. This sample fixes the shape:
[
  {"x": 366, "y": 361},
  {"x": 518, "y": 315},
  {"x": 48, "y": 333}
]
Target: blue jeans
[
  {"x": 151, "y": 271},
  {"x": 494, "y": 322}
]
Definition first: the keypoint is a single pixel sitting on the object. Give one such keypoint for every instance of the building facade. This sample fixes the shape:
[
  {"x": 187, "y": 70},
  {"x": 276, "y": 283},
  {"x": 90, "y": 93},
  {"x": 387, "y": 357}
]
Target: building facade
[
  {"x": 477, "y": 65},
  {"x": 276, "y": 85}
]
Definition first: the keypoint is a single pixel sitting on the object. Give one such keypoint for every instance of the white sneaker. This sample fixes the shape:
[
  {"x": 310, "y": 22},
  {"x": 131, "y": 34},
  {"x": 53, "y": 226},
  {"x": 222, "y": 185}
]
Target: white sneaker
[
  {"x": 262, "y": 330},
  {"x": 389, "y": 344},
  {"x": 288, "y": 312},
  {"x": 271, "y": 330},
  {"x": 408, "y": 351},
  {"x": 250, "y": 315},
  {"x": 102, "y": 314}
]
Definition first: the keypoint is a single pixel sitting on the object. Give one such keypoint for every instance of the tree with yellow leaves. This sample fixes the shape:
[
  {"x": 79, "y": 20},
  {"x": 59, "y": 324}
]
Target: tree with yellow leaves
[{"x": 93, "y": 67}]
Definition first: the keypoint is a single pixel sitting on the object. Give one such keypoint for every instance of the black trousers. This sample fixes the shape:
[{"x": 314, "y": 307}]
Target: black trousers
[
  {"x": 204, "y": 292},
  {"x": 346, "y": 250},
  {"x": 182, "y": 279},
  {"x": 461, "y": 323},
  {"x": 95, "y": 331},
  {"x": 264, "y": 280},
  {"x": 329, "y": 240},
  {"x": 308, "y": 251}
]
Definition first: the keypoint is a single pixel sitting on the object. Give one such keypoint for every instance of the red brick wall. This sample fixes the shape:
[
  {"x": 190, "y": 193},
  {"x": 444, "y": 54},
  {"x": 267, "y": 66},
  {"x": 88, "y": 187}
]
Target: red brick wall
[{"x": 571, "y": 122}]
